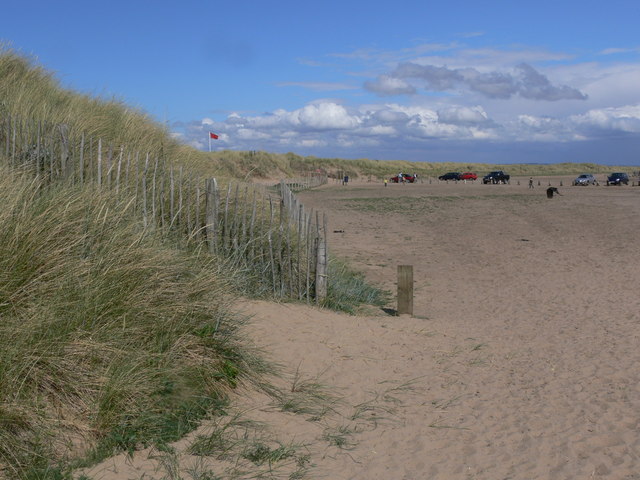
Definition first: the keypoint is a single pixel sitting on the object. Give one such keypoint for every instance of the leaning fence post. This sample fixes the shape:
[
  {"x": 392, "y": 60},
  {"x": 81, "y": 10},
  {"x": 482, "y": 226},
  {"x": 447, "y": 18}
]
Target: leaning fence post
[{"x": 405, "y": 289}]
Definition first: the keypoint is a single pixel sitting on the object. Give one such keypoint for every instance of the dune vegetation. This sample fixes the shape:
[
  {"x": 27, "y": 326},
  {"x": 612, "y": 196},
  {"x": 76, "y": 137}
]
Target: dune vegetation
[{"x": 111, "y": 339}]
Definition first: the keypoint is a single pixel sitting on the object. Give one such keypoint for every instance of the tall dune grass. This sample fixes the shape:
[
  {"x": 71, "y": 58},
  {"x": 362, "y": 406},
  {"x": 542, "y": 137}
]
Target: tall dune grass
[
  {"x": 29, "y": 92},
  {"x": 110, "y": 339}
]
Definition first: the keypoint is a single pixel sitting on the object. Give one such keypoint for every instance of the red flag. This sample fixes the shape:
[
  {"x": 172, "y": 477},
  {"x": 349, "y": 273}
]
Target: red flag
[{"x": 213, "y": 135}]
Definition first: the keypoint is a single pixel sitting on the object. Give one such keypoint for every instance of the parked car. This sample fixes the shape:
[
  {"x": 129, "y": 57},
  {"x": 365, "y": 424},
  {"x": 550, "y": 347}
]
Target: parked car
[
  {"x": 618, "y": 178},
  {"x": 406, "y": 177},
  {"x": 450, "y": 176},
  {"x": 585, "y": 179},
  {"x": 468, "y": 176},
  {"x": 497, "y": 176}
]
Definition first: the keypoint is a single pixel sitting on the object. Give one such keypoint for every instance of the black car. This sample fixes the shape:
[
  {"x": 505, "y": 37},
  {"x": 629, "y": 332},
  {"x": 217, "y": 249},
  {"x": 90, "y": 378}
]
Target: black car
[
  {"x": 450, "y": 176},
  {"x": 618, "y": 178},
  {"x": 497, "y": 176}
]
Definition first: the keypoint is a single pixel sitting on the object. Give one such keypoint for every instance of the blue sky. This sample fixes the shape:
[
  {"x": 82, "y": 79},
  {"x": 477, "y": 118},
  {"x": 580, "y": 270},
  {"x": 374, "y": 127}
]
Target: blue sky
[{"x": 465, "y": 81}]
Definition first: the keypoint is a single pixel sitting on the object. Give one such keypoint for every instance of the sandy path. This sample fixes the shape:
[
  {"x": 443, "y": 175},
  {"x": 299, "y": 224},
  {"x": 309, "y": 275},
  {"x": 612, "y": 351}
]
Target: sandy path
[
  {"x": 547, "y": 290},
  {"x": 521, "y": 360}
]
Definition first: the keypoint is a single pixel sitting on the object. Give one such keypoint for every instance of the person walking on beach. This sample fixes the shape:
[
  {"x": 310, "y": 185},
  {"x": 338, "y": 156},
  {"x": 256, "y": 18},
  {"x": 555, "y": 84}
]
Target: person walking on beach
[{"x": 530, "y": 182}]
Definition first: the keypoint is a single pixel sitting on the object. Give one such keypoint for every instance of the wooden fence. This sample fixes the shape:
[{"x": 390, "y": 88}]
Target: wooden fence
[
  {"x": 304, "y": 222},
  {"x": 265, "y": 232}
]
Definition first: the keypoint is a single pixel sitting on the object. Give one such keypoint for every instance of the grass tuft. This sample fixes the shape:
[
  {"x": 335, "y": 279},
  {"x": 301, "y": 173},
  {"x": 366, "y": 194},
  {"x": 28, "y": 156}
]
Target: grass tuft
[{"x": 349, "y": 290}]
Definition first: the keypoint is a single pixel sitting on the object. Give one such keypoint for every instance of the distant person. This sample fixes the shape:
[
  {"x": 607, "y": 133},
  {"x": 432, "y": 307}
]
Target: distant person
[
  {"x": 530, "y": 182},
  {"x": 345, "y": 180},
  {"x": 385, "y": 182}
]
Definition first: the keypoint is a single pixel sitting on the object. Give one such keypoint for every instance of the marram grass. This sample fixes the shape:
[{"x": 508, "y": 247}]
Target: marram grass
[{"x": 110, "y": 339}]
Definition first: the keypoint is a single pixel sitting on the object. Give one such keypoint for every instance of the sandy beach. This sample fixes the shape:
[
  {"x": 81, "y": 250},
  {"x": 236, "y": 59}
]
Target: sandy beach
[{"x": 519, "y": 362}]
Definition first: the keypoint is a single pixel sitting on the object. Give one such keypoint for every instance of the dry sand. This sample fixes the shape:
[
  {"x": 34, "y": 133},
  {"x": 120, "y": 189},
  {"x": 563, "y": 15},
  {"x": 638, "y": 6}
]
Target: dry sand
[{"x": 521, "y": 361}]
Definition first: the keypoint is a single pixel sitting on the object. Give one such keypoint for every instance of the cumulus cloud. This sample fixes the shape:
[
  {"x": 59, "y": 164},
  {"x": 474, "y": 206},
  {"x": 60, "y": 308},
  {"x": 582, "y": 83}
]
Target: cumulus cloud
[
  {"x": 614, "y": 120},
  {"x": 491, "y": 84},
  {"x": 535, "y": 86},
  {"x": 327, "y": 123},
  {"x": 326, "y": 128},
  {"x": 541, "y": 129},
  {"x": 523, "y": 80},
  {"x": 325, "y": 116}
]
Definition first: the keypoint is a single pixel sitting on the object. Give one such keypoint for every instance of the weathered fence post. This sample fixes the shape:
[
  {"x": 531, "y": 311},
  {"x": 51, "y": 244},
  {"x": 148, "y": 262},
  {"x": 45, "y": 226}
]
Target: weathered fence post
[
  {"x": 145, "y": 213},
  {"x": 100, "y": 162},
  {"x": 81, "y": 161},
  {"x": 119, "y": 169},
  {"x": 211, "y": 215},
  {"x": 321, "y": 268},
  {"x": 198, "y": 225},
  {"x": 64, "y": 151},
  {"x": 405, "y": 289}
]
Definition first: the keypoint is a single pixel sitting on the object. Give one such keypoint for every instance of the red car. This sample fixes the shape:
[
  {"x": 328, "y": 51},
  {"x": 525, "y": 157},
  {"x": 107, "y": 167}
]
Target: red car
[
  {"x": 468, "y": 176},
  {"x": 405, "y": 177}
]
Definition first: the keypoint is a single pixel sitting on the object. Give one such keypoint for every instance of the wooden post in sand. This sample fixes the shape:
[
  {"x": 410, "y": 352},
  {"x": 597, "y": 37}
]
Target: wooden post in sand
[
  {"x": 321, "y": 259},
  {"x": 405, "y": 289}
]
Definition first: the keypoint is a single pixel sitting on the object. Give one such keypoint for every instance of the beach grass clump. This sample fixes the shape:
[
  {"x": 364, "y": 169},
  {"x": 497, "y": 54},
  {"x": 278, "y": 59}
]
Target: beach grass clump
[
  {"x": 111, "y": 339},
  {"x": 249, "y": 449},
  {"x": 349, "y": 290}
]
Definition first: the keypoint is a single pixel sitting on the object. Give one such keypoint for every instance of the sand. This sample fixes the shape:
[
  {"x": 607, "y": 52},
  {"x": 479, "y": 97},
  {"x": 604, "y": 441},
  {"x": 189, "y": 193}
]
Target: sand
[{"x": 521, "y": 359}]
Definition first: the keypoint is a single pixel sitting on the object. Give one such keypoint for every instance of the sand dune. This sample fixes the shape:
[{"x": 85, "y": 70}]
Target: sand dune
[{"x": 520, "y": 361}]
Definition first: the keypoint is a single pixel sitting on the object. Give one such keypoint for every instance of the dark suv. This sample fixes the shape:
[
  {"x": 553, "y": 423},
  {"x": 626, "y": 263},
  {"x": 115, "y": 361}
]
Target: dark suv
[
  {"x": 496, "y": 177},
  {"x": 618, "y": 178}
]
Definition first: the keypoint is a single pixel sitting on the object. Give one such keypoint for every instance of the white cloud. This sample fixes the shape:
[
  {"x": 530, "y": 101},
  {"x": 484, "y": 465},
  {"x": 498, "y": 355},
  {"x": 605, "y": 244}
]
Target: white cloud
[
  {"x": 447, "y": 96},
  {"x": 624, "y": 119},
  {"x": 325, "y": 116}
]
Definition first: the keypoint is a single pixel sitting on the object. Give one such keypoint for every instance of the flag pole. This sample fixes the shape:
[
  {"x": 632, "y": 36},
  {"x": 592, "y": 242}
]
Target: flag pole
[{"x": 209, "y": 142}]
